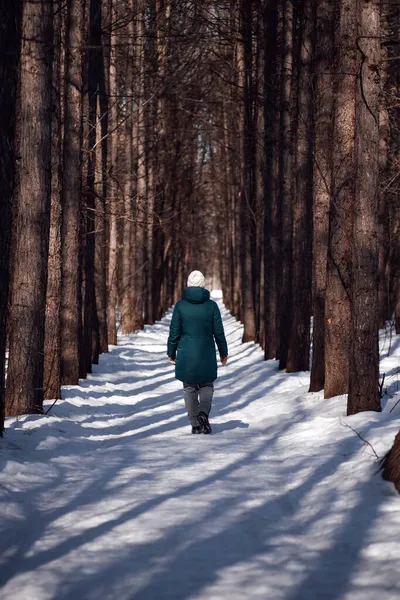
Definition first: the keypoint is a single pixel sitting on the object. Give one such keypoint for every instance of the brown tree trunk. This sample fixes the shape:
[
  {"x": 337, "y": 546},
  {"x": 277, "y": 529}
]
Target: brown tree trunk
[
  {"x": 52, "y": 340},
  {"x": 391, "y": 464},
  {"x": 102, "y": 175},
  {"x": 285, "y": 165},
  {"x": 364, "y": 350},
  {"x": 91, "y": 341},
  {"x": 71, "y": 197},
  {"x": 140, "y": 205},
  {"x": 24, "y": 393},
  {"x": 322, "y": 180},
  {"x": 384, "y": 177},
  {"x": 113, "y": 197},
  {"x": 337, "y": 299},
  {"x": 247, "y": 198},
  {"x": 299, "y": 347},
  {"x": 10, "y": 38},
  {"x": 271, "y": 247},
  {"x": 127, "y": 295}
]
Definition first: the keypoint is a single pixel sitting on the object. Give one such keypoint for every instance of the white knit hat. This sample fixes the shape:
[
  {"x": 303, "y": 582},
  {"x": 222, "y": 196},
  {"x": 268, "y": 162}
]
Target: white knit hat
[{"x": 196, "y": 279}]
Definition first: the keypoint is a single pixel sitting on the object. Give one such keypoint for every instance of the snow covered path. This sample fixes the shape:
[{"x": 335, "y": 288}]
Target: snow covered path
[{"x": 110, "y": 496}]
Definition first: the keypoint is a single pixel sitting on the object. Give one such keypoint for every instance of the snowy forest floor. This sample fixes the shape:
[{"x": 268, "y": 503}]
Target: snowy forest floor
[{"x": 110, "y": 496}]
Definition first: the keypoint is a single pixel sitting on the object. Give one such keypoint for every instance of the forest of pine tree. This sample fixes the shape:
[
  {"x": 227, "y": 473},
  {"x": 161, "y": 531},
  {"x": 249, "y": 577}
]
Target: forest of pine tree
[{"x": 257, "y": 141}]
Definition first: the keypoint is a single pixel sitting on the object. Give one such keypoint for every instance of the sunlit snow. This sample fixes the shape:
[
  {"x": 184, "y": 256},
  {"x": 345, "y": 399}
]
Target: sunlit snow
[{"x": 111, "y": 497}]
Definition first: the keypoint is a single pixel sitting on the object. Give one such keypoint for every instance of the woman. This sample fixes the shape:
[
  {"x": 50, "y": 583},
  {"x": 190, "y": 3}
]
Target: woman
[{"x": 196, "y": 322}]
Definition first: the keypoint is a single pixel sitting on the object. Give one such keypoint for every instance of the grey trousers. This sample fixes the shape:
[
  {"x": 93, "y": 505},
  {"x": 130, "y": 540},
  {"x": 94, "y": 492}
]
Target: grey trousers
[{"x": 198, "y": 398}]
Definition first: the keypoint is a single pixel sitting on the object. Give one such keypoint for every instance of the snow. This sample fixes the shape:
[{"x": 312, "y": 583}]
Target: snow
[{"x": 110, "y": 496}]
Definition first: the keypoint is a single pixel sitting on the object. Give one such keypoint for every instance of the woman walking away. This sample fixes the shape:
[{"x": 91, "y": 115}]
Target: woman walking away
[{"x": 196, "y": 322}]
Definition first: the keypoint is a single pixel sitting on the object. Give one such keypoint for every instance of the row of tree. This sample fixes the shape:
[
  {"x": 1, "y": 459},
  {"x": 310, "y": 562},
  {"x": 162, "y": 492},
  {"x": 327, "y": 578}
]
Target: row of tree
[
  {"x": 257, "y": 141},
  {"x": 316, "y": 200}
]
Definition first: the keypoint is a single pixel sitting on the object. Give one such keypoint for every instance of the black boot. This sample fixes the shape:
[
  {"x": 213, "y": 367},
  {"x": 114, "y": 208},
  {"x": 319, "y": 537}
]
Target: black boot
[
  {"x": 197, "y": 429},
  {"x": 204, "y": 422}
]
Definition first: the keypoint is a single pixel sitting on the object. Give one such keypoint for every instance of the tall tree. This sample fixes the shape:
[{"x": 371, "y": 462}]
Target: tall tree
[
  {"x": 322, "y": 179},
  {"x": 364, "y": 350},
  {"x": 24, "y": 393},
  {"x": 52, "y": 340},
  {"x": 271, "y": 248},
  {"x": 10, "y": 38},
  {"x": 112, "y": 292},
  {"x": 247, "y": 197},
  {"x": 285, "y": 198},
  {"x": 90, "y": 338},
  {"x": 71, "y": 319},
  {"x": 337, "y": 300},
  {"x": 299, "y": 347}
]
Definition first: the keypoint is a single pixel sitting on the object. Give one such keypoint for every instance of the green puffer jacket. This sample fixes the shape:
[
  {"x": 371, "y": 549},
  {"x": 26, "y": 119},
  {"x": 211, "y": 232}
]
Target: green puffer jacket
[{"x": 196, "y": 322}]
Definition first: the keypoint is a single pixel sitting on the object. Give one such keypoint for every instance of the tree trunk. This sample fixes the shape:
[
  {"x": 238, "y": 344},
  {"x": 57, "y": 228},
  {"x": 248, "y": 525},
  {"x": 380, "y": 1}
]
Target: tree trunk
[
  {"x": 113, "y": 198},
  {"x": 127, "y": 296},
  {"x": 391, "y": 464},
  {"x": 24, "y": 393},
  {"x": 337, "y": 299},
  {"x": 247, "y": 198},
  {"x": 364, "y": 354},
  {"x": 299, "y": 347},
  {"x": 271, "y": 247},
  {"x": 10, "y": 38},
  {"x": 322, "y": 180},
  {"x": 285, "y": 198},
  {"x": 71, "y": 197},
  {"x": 91, "y": 341},
  {"x": 103, "y": 185},
  {"x": 140, "y": 222},
  {"x": 52, "y": 340}
]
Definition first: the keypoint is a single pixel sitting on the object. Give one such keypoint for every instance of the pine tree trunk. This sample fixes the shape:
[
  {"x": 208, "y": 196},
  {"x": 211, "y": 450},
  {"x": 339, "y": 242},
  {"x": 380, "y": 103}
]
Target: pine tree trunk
[
  {"x": 103, "y": 185},
  {"x": 113, "y": 198},
  {"x": 91, "y": 340},
  {"x": 337, "y": 298},
  {"x": 71, "y": 198},
  {"x": 127, "y": 317},
  {"x": 391, "y": 464},
  {"x": 10, "y": 38},
  {"x": 364, "y": 354},
  {"x": 141, "y": 184},
  {"x": 52, "y": 340},
  {"x": 247, "y": 196},
  {"x": 270, "y": 185},
  {"x": 285, "y": 199},
  {"x": 299, "y": 347},
  {"x": 24, "y": 393},
  {"x": 322, "y": 181}
]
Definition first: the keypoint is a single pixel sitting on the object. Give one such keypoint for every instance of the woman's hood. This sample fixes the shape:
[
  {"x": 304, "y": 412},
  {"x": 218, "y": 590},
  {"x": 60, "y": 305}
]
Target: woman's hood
[{"x": 196, "y": 295}]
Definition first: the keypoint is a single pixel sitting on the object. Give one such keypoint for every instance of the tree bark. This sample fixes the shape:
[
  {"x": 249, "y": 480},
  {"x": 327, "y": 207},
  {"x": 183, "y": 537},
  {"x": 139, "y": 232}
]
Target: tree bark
[
  {"x": 299, "y": 346},
  {"x": 10, "y": 39},
  {"x": 271, "y": 233},
  {"x": 247, "y": 198},
  {"x": 127, "y": 295},
  {"x": 113, "y": 196},
  {"x": 71, "y": 197},
  {"x": 91, "y": 338},
  {"x": 337, "y": 299},
  {"x": 391, "y": 464},
  {"x": 52, "y": 340},
  {"x": 285, "y": 198},
  {"x": 24, "y": 393},
  {"x": 364, "y": 354},
  {"x": 322, "y": 180}
]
